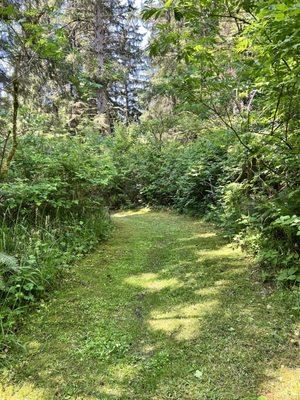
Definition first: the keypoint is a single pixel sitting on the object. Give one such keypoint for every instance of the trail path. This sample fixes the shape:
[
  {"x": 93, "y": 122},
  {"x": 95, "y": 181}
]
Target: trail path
[{"x": 164, "y": 310}]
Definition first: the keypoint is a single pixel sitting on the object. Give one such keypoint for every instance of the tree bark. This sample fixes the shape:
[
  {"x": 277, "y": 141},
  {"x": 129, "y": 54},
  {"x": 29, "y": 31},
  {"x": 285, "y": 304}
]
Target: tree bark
[
  {"x": 127, "y": 106},
  {"x": 6, "y": 162},
  {"x": 101, "y": 40}
]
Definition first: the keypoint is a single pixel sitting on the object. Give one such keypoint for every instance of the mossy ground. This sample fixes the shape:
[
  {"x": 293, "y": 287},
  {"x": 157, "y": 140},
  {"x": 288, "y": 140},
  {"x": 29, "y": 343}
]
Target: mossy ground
[{"x": 164, "y": 310}]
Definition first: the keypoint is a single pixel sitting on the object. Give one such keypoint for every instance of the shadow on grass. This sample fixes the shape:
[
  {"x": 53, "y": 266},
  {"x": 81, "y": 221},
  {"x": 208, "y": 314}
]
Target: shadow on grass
[{"x": 171, "y": 312}]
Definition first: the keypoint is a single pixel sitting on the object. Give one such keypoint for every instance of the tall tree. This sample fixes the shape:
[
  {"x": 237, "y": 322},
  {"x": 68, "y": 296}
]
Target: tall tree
[
  {"x": 108, "y": 39},
  {"x": 132, "y": 64},
  {"x": 30, "y": 51},
  {"x": 104, "y": 13}
]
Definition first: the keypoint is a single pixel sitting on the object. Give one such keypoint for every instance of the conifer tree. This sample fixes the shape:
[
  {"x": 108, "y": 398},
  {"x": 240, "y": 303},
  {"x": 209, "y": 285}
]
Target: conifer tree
[
  {"x": 132, "y": 64},
  {"x": 108, "y": 38}
]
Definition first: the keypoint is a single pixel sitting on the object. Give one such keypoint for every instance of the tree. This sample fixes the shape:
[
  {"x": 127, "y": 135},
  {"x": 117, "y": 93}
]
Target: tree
[
  {"x": 110, "y": 63},
  {"x": 238, "y": 64},
  {"x": 132, "y": 64},
  {"x": 29, "y": 51}
]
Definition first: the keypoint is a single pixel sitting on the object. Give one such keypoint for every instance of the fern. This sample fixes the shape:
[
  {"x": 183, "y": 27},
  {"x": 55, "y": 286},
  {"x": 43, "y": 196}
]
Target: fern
[{"x": 9, "y": 262}]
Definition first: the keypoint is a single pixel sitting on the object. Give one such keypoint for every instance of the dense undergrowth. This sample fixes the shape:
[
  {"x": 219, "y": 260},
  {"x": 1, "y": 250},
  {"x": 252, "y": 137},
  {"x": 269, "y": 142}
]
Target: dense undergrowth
[
  {"x": 51, "y": 214},
  {"x": 54, "y": 202},
  {"x": 255, "y": 200}
]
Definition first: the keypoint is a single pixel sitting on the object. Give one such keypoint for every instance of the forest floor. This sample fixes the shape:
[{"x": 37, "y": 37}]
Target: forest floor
[{"x": 166, "y": 309}]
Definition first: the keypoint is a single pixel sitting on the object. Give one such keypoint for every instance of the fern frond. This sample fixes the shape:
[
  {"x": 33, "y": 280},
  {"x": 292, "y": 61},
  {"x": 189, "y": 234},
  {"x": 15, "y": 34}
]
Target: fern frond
[{"x": 10, "y": 262}]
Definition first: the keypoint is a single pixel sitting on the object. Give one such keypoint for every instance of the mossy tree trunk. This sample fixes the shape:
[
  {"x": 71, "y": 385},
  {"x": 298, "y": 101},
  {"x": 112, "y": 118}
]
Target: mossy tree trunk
[{"x": 14, "y": 144}]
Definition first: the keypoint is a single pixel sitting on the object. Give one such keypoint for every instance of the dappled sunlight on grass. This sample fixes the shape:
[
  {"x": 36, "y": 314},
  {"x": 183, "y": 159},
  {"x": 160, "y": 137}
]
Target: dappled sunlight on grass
[
  {"x": 26, "y": 391},
  {"x": 113, "y": 390},
  {"x": 152, "y": 282},
  {"x": 227, "y": 251},
  {"x": 178, "y": 328},
  {"x": 33, "y": 347},
  {"x": 284, "y": 384},
  {"x": 189, "y": 310},
  {"x": 148, "y": 349},
  {"x": 130, "y": 213},
  {"x": 234, "y": 272},
  {"x": 164, "y": 310},
  {"x": 207, "y": 291},
  {"x": 222, "y": 282},
  {"x": 198, "y": 236},
  {"x": 182, "y": 322},
  {"x": 122, "y": 372}
]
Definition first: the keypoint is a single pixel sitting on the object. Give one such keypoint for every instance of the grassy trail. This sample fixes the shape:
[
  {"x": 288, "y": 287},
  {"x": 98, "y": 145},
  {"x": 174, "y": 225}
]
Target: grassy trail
[{"x": 164, "y": 310}]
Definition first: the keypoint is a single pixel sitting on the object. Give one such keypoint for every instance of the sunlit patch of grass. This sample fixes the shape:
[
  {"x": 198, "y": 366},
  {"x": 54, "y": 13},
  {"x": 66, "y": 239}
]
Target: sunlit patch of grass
[
  {"x": 26, "y": 391},
  {"x": 113, "y": 390},
  {"x": 199, "y": 236},
  {"x": 227, "y": 251},
  {"x": 196, "y": 310},
  {"x": 284, "y": 384},
  {"x": 130, "y": 213},
  {"x": 149, "y": 348},
  {"x": 152, "y": 282},
  {"x": 207, "y": 291},
  {"x": 179, "y": 328},
  {"x": 182, "y": 322},
  {"x": 34, "y": 347},
  {"x": 122, "y": 372},
  {"x": 221, "y": 283}
]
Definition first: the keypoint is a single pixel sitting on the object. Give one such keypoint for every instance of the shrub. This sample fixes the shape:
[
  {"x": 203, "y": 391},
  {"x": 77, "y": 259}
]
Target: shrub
[
  {"x": 52, "y": 212},
  {"x": 253, "y": 197}
]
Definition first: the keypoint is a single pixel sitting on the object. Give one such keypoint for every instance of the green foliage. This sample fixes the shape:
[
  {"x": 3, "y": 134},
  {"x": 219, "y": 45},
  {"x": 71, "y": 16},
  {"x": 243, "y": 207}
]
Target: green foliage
[
  {"x": 54, "y": 175},
  {"x": 236, "y": 64},
  {"x": 220, "y": 136},
  {"x": 213, "y": 176},
  {"x": 9, "y": 263},
  {"x": 51, "y": 213}
]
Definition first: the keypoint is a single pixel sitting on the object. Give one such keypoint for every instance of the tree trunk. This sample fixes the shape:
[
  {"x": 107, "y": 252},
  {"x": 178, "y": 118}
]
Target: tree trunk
[
  {"x": 6, "y": 162},
  {"x": 101, "y": 39},
  {"x": 127, "y": 111}
]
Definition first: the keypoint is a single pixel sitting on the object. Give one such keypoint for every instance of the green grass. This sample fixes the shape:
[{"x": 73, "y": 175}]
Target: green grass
[{"x": 165, "y": 310}]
